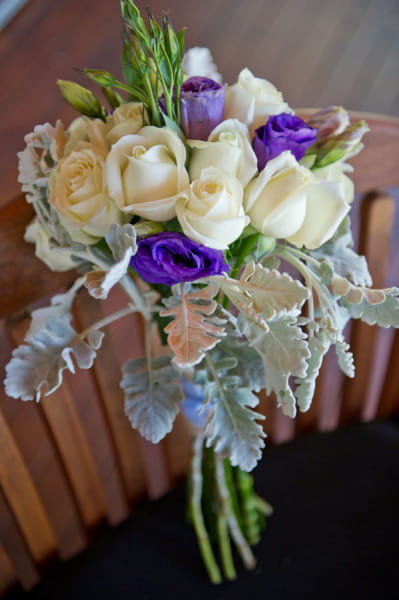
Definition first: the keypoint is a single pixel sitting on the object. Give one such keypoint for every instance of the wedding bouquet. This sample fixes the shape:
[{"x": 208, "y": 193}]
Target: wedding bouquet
[{"x": 225, "y": 219}]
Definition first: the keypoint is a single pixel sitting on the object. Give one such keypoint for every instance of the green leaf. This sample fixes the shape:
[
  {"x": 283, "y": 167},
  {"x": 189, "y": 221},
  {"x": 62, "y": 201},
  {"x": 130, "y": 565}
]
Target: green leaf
[
  {"x": 173, "y": 126},
  {"x": 152, "y": 396}
]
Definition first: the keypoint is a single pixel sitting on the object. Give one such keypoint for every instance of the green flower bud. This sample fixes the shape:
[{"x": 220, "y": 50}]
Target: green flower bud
[
  {"x": 103, "y": 78},
  {"x": 80, "y": 98},
  {"x": 342, "y": 146}
]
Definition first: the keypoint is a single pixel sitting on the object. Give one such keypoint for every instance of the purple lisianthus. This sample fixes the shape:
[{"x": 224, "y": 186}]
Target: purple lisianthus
[
  {"x": 170, "y": 258},
  {"x": 193, "y": 404},
  {"x": 202, "y": 106},
  {"x": 282, "y": 132}
]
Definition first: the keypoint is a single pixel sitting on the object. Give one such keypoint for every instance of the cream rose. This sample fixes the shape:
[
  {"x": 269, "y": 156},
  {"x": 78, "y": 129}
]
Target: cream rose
[
  {"x": 276, "y": 200},
  {"x": 78, "y": 193},
  {"x": 328, "y": 200},
  {"x": 127, "y": 119},
  {"x": 251, "y": 100},
  {"x": 55, "y": 258},
  {"x": 145, "y": 173},
  {"x": 210, "y": 211},
  {"x": 287, "y": 201},
  {"x": 228, "y": 148}
]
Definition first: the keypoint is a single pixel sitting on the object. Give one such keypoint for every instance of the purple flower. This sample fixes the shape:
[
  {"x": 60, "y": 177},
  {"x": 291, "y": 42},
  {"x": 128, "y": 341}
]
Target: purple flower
[
  {"x": 193, "y": 404},
  {"x": 170, "y": 258},
  {"x": 282, "y": 132},
  {"x": 202, "y": 106}
]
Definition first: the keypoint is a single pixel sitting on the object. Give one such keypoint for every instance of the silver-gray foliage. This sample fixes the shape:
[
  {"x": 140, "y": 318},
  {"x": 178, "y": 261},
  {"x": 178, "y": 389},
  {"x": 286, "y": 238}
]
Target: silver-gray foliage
[
  {"x": 384, "y": 314},
  {"x": 231, "y": 429},
  {"x": 36, "y": 366},
  {"x": 152, "y": 395}
]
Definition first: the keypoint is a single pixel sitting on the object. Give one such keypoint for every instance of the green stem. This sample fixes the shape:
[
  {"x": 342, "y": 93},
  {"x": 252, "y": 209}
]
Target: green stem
[
  {"x": 196, "y": 513},
  {"x": 246, "y": 246},
  {"x": 225, "y": 547},
  {"x": 239, "y": 539}
]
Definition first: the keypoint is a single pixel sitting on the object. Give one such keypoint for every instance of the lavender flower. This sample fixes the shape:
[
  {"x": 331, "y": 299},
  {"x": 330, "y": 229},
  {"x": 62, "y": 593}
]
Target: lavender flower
[
  {"x": 170, "y": 258},
  {"x": 193, "y": 404},
  {"x": 282, "y": 132},
  {"x": 201, "y": 105}
]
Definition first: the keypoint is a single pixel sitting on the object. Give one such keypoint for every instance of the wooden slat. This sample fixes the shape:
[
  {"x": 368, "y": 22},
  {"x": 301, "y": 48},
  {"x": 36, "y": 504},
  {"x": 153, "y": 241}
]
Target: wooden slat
[
  {"x": 8, "y": 576},
  {"x": 70, "y": 440},
  {"x": 15, "y": 547},
  {"x": 122, "y": 341},
  {"x": 376, "y": 220},
  {"x": 22, "y": 496},
  {"x": 25, "y": 276},
  {"x": 36, "y": 446},
  {"x": 178, "y": 448}
]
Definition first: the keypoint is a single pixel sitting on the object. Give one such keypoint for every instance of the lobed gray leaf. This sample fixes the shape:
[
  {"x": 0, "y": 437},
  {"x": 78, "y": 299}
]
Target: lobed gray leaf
[
  {"x": 122, "y": 241},
  {"x": 284, "y": 352},
  {"x": 152, "y": 395},
  {"x": 384, "y": 314},
  {"x": 36, "y": 366},
  {"x": 342, "y": 259},
  {"x": 305, "y": 386}
]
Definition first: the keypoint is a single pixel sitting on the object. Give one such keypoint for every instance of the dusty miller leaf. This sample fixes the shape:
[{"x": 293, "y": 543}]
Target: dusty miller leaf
[
  {"x": 248, "y": 364},
  {"x": 305, "y": 386},
  {"x": 61, "y": 304},
  {"x": 232, "y": 427},
  {"x": 36, "y": 366},
  {"x": 344, "y": 261},
  {"x": 152, "y": 395},
  {"x": 266, "y": 292},
  {"x": 284, "y": 352},
  {"x": 384, "y": 314},
  {"x": 193, "y": 330},
  {"x": 122, "y": 241},
  {"x": 345, "y": 357}
]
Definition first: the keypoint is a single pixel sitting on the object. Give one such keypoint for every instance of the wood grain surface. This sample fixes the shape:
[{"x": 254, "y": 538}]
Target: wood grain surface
[{"x": 318, "y": 52}]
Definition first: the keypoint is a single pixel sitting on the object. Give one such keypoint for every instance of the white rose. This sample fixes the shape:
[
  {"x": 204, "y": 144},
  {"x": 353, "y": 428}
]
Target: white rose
[
  {"x": 276, "y": 200},
  {"x": 287, "y": 201},
  {"x": 127, "y": 119},
  {"x": 78, "y": 193},
  {"x": 145, "y": 173},
  {"x": 228, "y": 148},
  {"x": 85, "y": 130},
  {"x": 55, "y": 258},
  {"x": 328, "y": 200},
  {"x": 199, "y": 62},
  {"x": 210, "y": 211},
  {"x": 252, "y": 100}
]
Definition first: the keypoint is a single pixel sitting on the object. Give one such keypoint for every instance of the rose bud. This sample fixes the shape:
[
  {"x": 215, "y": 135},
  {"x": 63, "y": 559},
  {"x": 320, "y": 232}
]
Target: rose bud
[{"x": 329, "y": 121}]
